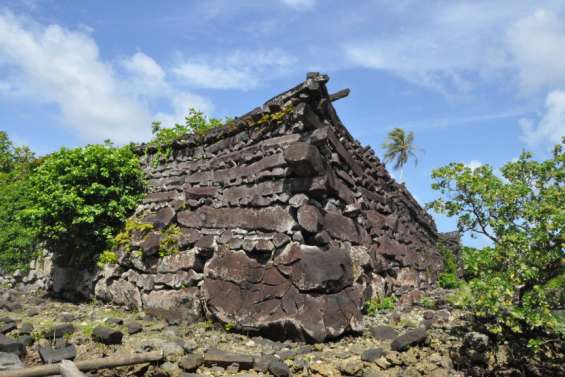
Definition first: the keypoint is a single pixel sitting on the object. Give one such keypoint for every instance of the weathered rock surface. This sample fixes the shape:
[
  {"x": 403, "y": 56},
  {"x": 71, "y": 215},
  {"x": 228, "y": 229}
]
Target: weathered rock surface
[
  {"x": 451, "y": 349},
  {"x": 409, "y": 339},
  {"x": 107, "y": 335},
  {"x": 59, "y": 331},
  {"x": 225, "y": 359},
  {"x": 237, "y": 289},
  {"x": 9, "y": 361},
  {"x": 10, "y": 345},
  {"x": 50, "y": 355},
  {"x": 280, "y": 224},
  {"x": 182, "y": 305}
]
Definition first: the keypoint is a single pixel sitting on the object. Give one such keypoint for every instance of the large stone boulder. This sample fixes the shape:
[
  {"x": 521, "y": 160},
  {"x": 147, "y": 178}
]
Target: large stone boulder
[
  {"x": 305, "y": 292},
  {"x": 72, "y": 282},
  {"x": 177, "y": 305}
]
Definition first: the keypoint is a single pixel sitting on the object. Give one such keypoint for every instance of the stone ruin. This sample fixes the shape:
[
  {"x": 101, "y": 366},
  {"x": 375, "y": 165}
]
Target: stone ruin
[{"x": 285, "y": 226}]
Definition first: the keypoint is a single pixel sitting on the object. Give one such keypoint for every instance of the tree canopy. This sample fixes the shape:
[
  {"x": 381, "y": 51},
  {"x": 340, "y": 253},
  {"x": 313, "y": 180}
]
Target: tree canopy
[
  {"x": 399, "y": 147},
  {"x": 521, "y": 210}
]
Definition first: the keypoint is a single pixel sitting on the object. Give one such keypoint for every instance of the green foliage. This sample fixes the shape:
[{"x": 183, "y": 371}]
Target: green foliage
[
  {"x": 449, "y": 261},
  {"x": 399, "y": 147},
  {"x": 461, "y": 297},
  {"x": 377, "y": 304},
  {"x": 18, "y": 241},
  {"x": 448, "y": 280},
  {"x": 194, "y": 123},
  {"x": 107, "y": 257},
  {"x": 81, "y": 196},
  {"x": 131, "y": 229},
  {"x": 523, "y": 214},
  {"x": 170, "y": 238},
  {"x": 229, "y": 327},
  {"x": 428, "y": 302},
  {"x": 274, "y": 117}
]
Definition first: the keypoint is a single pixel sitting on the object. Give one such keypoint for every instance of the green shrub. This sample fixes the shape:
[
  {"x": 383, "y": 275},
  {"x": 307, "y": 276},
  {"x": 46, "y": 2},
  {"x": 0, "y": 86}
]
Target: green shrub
[
  {"x": 448, "y": 280},
  {"x": 132, "y": 229},
  {"x": 427, "y": 302},
  {"x": 194, "y": 123},
  {"x": 18, "y": 238},
  {"x": 523, "y": 214},
  {"x": 80, "y": 198},
  {"x": 377, "y": 304},
  {"x": 170, "y": 238},
  {"x": 107, "y": 257},
  {"x": 449, "y": 261}
]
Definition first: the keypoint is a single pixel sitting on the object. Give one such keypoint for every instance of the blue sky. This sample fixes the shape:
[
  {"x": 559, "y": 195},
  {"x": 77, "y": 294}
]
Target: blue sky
[{"x": 477, "y": 81}]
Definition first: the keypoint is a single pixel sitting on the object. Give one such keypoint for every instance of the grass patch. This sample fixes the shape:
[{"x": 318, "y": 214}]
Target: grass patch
[{"x": 380, "y": 304}]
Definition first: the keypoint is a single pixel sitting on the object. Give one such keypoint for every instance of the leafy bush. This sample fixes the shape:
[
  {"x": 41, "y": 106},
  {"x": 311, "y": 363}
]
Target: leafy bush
[
  {"x": 428, "y": 302},
  {"x": 18, "y": 241},
  {"x": 80, "y": 197},
  {"x": 377, "y": 304},
  {"x": 107, "y": 257},
  {"x": 194, "y": 123},
  {"x": 523, "y": 213},
  {"x": 131, "y": 229},
  {"x": 448, "y": 280},
  {"x": 170, "y": 239}
]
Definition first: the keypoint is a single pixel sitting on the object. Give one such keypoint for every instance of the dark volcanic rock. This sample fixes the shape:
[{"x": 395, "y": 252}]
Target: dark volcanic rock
[
  {"x": 309, "y": 218},
  {"x": 7, "y": 327},
  {"x": 51, "y": 355},
  {"x": 9, "y": 361},
  {"x": 238, "y": 289},
  {"x": 33, "y": 312},
  {"x": 177, "y": 305},
  {"x": 59, "y": 331},
  {"x": 107, "y": 336},
  {"x": 278, "y": 368},
  {"x": 66, "y": 317},
  {"x": 409, "y": 339},
  {"x": 26, "y": 328},
  {"x": 150, "y": 244},
  {"x": 191, "y": 362},
  {"x": 372, "y": 354},
  {"x": 114, "y": 321},
  {"x": 287, "y": 225},
  {"x": 225, "y": 359},
  {"x": 11, "y": 345},
  {"x": 26, "y": 340},
  {"x": 383, "y": 332},
  {"x": 134, "y": 328},
  {"x": 160, "y": 219},
  {"x": 304, "y": 159}
]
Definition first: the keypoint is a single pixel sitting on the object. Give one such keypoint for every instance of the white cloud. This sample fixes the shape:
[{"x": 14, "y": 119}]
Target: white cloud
[
  {"x": 442, "y": 49},
  {"x": 474, "y": 164},
  {"x": 237, "y": 70},
  {"x": 551, "y": 127},
  {"x": 144, "y": 66},
  {"x": 537, "y": 44},
  {"x": 54, "y": 65},
  {"x": 300, "y": 4},
  {"x": 451, "y": 46}
]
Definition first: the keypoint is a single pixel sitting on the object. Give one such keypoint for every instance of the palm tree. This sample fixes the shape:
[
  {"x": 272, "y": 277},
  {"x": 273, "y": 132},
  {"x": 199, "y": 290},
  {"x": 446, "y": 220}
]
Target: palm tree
[{"x": 399, "y": 147}]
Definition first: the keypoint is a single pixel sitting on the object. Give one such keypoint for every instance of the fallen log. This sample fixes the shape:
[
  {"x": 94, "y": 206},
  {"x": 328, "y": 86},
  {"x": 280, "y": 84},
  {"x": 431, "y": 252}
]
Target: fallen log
[
  {"x": 69, "y": 369},
  {"x": 86, "y": 365}
]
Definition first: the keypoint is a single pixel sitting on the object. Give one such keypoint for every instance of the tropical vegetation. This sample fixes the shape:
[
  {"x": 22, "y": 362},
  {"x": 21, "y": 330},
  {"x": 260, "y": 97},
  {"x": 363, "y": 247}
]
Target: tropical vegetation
[
  {"x": 520, "y": 210},
  {"x": 399, "y": 148}
]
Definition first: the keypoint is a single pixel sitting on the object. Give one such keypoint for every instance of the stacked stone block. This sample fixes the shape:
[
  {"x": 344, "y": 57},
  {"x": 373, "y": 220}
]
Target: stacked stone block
[{"x": 284, "y": 225}]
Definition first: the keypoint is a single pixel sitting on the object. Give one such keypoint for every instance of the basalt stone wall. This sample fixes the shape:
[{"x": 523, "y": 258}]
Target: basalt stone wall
[{"x": 284, "y": 224}]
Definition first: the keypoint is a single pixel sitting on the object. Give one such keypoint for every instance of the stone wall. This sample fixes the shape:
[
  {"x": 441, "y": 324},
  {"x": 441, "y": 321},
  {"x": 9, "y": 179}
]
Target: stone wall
[{"x": 284, "y": 225}]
